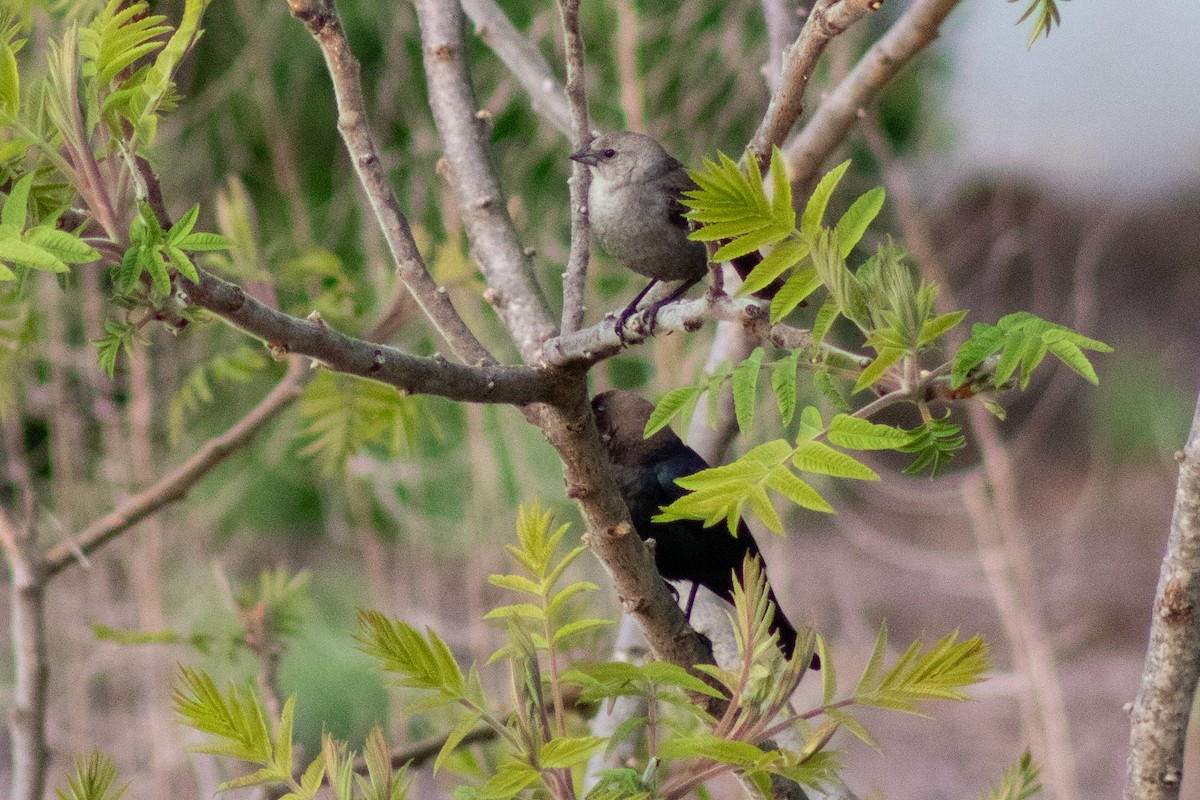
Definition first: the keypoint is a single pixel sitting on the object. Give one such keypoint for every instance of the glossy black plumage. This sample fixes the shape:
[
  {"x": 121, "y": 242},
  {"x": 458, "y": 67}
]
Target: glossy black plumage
[{"x": 646, "y": 471}]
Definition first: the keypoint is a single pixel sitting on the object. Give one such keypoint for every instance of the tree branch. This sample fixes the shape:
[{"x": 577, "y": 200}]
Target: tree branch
[
  {"x": 322, "y": 22},
  {"x": 575, "y": 278},
  {"x": 831, "y": 122},
  {"x": 494, "y": 245},
  {"x": 1163, "y": 705},
  {"x": 434, "y": 375},
  {"x": 825, "y": 21},
  {"x": 523, "y": 60}
]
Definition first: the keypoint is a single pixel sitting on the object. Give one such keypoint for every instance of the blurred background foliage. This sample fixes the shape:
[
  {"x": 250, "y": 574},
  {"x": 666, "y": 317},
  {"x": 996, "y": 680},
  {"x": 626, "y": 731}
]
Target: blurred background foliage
[{"x": 401, "y": 504}]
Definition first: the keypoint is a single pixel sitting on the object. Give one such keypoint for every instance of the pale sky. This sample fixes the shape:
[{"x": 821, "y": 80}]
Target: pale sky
[{"x": 1110, "y": 102}]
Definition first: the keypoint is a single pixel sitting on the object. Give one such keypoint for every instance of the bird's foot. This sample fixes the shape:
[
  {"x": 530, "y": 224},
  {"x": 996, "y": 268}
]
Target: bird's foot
[{"x": 622, "y": 321}]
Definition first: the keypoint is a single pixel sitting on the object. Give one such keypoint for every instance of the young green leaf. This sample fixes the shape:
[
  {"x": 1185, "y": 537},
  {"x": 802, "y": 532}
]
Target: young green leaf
[
  {"x": 745, "y": 388},
  {"x": 820, "y": 458},
  {"x": 669, "y": 405},
  {"x": 795, "y": 290},
  {"x": 854, "y": 223},
  {"x": 92, "y": 779},
  {"x": 860, "y": 434},
  {"x": 783, "y": 383},
  {"x": 782, "y": 257},
  {"x": 814, "y": 210},
  {"x": 1019, "y": 782},
  {"x": 568, "y": 751}
]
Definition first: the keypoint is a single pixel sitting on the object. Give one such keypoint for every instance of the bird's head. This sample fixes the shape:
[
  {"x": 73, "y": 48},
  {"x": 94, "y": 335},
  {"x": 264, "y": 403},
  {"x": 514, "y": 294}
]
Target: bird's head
[
  {"x": 624, "y": 156},
  {"x": 621, "y": 416}
]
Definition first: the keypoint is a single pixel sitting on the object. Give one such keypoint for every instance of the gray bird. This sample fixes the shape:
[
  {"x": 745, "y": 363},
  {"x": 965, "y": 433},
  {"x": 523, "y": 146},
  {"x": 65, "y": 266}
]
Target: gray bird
[{"x": 635, "y": 209}]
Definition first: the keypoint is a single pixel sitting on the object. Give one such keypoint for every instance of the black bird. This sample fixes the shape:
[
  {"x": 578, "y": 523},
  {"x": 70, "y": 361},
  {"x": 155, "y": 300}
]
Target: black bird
[{"x": 645, "y": 471}]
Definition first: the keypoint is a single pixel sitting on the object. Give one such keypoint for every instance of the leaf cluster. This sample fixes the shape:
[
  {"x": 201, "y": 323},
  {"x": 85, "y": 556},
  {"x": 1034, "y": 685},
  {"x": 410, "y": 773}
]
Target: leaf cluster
[{"x": 343, "y": 415}]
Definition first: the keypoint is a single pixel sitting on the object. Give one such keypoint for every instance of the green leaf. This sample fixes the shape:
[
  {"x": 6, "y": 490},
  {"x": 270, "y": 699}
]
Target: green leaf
[
  {"x": 782, "y": 257},
  {"x": 154, "y": 263},
  {"x": 1019, "y": 782},
  {"x": 814, "y": 210},
  {"x": 518, "y": 610},
  {"x": 516, "y": 583},
  {"x": 827, "y": 314},
  {"x": 283, "y": 738},
  {"x": 794, "y": 291},
  {"x": 822, "y": 459},
  {"x": 878, "y": 368},
  {"x": 828, "y": 672},
  {"x": 510, "y": 778},
  {"x": 183, "y": 226},
  {"x": 14, "y": 211},
  {"x": 823, "y": 383},
  {"x": 939, "y": 673},
  {"x": 1073, "y": 357},
  {"x": 26, "y": 255},
  {"x": 798, "y": 491},
  {"x": 860, "y": 434},
  {"x": 10, "y": 81},
  {"x": 92, "y": 779},
  {"x": 203, "y": 242},
  {"x": 567, "y": 751},
  {"x": 182, "y": 264},
  {"x": 811, "y": 424},
  {"x": 454, "y": 738},
  {"x": 66, "y": 247},
  {"x": 856, "y": 220},
  {"x": 664, "y": 674},
  {"x": 577, "y": 627},
  {"x": 783, "y": 383},
  {"x": 713, "y": 748},
  {"x": 937, "y": 326},
  {"x": 669, "y": 405},
  {"x": 745, "y": 388},
  {"x": 420, "y": 664}
]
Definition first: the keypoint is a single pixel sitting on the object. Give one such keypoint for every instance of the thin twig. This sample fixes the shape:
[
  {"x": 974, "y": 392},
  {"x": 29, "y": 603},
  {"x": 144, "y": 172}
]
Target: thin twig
[
  {"x": 575, "y": 278},
  {"x": 831, "y": 122},
  {"x": 494, "y": 245},
  {"x": 826, "y": 21},
  {"x": 322, "y": 21},
  {"x": 523, "y": 60}
]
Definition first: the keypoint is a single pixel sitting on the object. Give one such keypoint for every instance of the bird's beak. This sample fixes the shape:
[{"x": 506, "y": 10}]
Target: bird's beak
[{"x": 589, "y": 157}]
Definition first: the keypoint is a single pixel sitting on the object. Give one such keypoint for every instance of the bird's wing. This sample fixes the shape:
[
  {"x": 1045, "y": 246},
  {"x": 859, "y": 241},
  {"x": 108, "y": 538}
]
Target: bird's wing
[{"x": 684, "y": 461}]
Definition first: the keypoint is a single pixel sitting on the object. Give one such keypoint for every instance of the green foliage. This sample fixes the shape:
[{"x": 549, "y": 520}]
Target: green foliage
[
  {"x": 118, "y": 337},
  {"x": 239, "y": 728},
  {"x": 1022, "y": 340},
  {"x": 553, "y": 623},
  {"x": 343, "y": 415},
  {"x": 938, "y": 673},
  {"x": 156, "y": 252},
  {"x": 41, "y": 247},
  {"x": 1019, "y": 781},
  {"x": 93, "y": 779},
  {"x": 1045, "y": 16},
  {"x": 240, "y": 366},
  {"x": 726, "y": 492},
  {"x": 935, "y": 443}
]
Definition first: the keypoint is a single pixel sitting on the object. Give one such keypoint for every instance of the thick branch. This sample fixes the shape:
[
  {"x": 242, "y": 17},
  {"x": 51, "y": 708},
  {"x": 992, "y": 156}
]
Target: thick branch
[
  {"x": 523, "y": 59},
  {"x": 494, "y": 245},
  {"x": 574, "y": 281},
  {"x": 571, "y": 430},
  {"x": 436, "y": 375},
  {"x": 826, "y": 21},
  {"x": 27, "y": 723},
  {"x": 1164, "y": 700},
  {"x": 829, "y": 126},
  {"x": 323, "y": 23}
]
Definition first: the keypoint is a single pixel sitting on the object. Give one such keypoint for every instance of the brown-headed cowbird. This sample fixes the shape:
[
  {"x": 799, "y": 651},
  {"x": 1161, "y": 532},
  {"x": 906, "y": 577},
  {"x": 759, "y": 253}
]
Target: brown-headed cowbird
[
  {"x": 636, "y": 209},
  {"x": 646, "y": 471}
]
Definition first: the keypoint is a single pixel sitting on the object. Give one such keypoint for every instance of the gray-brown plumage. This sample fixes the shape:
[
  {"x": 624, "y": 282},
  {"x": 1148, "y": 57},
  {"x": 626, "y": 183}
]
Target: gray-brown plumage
[
  {"x": 646, "y": 471},
  {"x": 635, "y": 210}
]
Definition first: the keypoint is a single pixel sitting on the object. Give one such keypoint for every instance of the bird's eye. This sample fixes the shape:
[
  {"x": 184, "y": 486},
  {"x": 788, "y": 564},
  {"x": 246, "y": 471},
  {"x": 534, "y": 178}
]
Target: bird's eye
[{"x": 609, "y": 153}]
